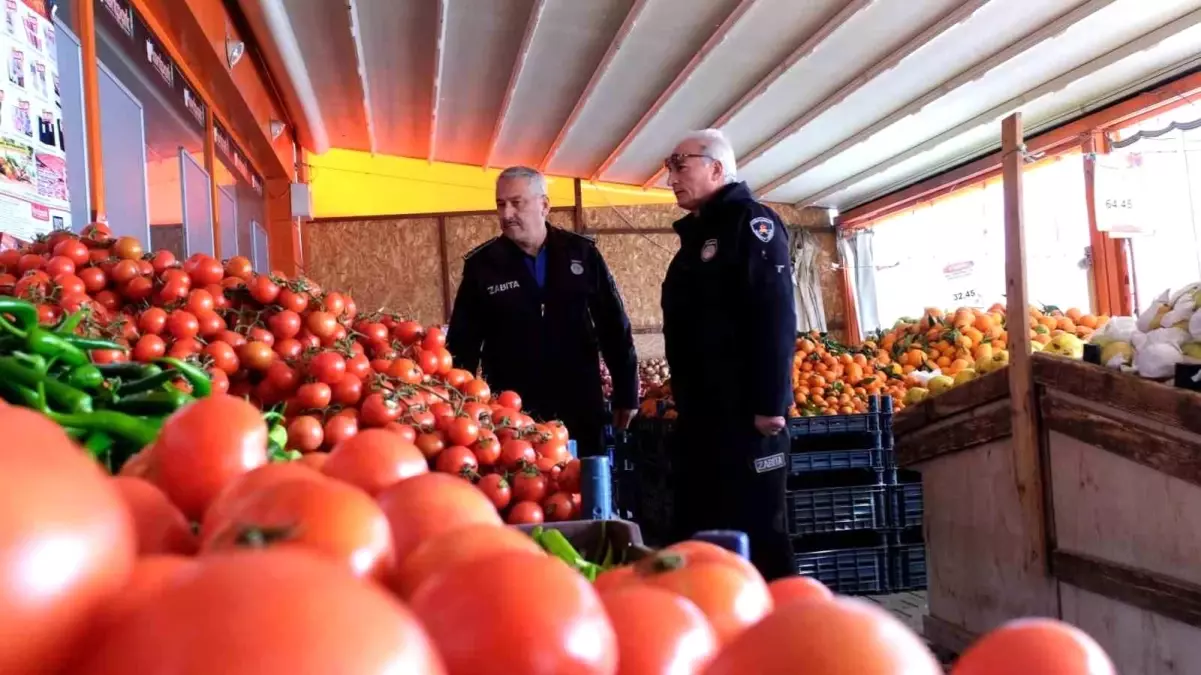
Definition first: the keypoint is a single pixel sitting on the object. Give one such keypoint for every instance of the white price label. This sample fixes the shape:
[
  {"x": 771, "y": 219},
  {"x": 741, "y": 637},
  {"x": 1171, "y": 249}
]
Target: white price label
[{"x": 1118, "y": 186}]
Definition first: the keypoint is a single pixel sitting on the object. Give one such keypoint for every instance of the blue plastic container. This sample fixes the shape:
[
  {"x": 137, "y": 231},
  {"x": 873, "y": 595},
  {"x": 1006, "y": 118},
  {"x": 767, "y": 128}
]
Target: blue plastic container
[{"x": 596, "y": 489}]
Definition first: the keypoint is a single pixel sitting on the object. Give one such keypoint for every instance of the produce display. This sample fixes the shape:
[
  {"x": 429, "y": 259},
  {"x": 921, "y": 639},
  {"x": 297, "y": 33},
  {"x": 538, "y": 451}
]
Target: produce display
[
  {"x": 652, "y": 373},
  {"x": 160, "y": 332},
  {"x": 1165, "y": 334}
]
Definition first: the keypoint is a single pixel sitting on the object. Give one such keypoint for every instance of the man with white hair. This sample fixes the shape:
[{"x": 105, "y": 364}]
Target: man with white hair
[
  {"x": 729, "y": 325},
  {"x": 534, "y": 306}
]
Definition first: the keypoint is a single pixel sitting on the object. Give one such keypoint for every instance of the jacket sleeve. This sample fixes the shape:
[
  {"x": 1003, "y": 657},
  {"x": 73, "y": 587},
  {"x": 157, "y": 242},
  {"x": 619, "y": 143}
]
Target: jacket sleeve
[
  {"x": 465, "y": 336},
  {"x": 615, "y": 337},
  {"x": 771, "y": 304}
]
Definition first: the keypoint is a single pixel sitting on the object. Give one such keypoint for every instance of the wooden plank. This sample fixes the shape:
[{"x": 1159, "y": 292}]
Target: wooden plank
[
  {"x": 443, "y": 256},
  {"x": 1177, "y": 456},
  {"x": 946, "y": 636},
  {"x": 1143, "y": 398},
  {"x": 1163, "y": 595},
  {"x": 973, "y": 428},
  {"x": 1138, "y": 641},
  {"x": 1097, "y": 244},
  {"x": 577, "y": 211},
  {"x": 1027, "y": 464},
  {"x": 978, "y": 392}
]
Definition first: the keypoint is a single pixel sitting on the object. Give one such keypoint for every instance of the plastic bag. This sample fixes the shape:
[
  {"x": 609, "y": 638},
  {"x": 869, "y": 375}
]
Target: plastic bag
[
  {"x": 1151, "y": 317},
  {"x": 1157, "y": 361},
  {"x": 923, "y": 377},
  {"x": 1119, "y": 329},
  {"x": 1194, "y": 325},
  {"x": 1170, "y": 336}
]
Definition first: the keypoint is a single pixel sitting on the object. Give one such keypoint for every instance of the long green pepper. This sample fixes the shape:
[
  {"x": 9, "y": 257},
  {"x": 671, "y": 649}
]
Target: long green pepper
[{"x": 202, "y": 386}]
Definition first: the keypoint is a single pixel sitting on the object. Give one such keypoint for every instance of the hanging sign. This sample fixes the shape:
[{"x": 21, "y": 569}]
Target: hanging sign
[
  {"x": 1118, "y": 189},
  {"x": 962, "y": 283}
]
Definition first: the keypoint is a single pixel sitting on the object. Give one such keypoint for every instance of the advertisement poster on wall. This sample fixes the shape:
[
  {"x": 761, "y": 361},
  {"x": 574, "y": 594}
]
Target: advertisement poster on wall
[{"x": 33, "y": 168}]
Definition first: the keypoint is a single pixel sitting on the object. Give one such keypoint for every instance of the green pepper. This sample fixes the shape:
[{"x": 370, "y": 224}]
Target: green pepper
[
  {"x": 45, "y": 343},
  {"x": 89, "y": 344},
  {"x": 69, "y": 323},
  {"x": 98, "y": 444},
  {"x": 162, "y": 402},
  {"x": 115, "y": 424},
  {"x": 86, "y": 377},
  {"x": 202, "y": 386},
  {"x": 58, "y": 393},
  {"x": 24, "y": 314},
  {"x": 150, "y": 383},
  {"x": 128, "y": 370}
]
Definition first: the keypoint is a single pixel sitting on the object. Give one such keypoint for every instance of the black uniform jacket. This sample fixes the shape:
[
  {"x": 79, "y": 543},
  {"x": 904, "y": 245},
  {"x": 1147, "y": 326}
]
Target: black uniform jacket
[
  {"x": 542, "y": 343},
  {"x": 729, "y": 318}
]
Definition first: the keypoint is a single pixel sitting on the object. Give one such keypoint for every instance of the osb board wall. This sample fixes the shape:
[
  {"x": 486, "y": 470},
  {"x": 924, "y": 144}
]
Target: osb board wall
[
  {"x": 638, "y": 263},
  {"x": 464, "y": 233},
  {"x": 642, "y": 217},
  {"x": 393, "y": 264},
  {"x": 167, "y": 238},
  {"x": 831, "y": 281}
]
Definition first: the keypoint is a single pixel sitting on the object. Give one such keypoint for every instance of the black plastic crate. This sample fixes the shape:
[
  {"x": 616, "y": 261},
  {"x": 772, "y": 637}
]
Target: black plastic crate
[
  {"x": 863, "y": 431},
  {"x": 906, "y": 505},
  {"x": 907, "y": 562},
  {"x": 842, "y": 501},
  {"x": 848, "y": 565},
  {"x": 836, "y": 460}
]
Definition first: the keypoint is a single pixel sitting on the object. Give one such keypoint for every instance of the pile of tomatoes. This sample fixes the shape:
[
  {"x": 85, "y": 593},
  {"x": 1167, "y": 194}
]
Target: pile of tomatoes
[
  {"x": 290, "y": 346},
  {"x": 371, "y": 563}
]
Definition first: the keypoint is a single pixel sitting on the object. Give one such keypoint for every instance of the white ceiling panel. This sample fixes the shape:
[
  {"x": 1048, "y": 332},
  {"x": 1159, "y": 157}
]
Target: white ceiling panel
[
  {"x": 482, "y": 42},
  {"x": 1078, "y": 47},
  {"x": 323, "y": 28},
  {"x": 399, "y": 66},
  {"x": 665, "y": 36},
  {"x": 761, "y": 38},
  {"x": 570, "y": 41}
]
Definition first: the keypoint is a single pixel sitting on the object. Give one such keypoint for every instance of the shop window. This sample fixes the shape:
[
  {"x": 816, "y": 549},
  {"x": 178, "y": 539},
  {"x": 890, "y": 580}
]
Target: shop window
[{"x": 951, "y": 253}]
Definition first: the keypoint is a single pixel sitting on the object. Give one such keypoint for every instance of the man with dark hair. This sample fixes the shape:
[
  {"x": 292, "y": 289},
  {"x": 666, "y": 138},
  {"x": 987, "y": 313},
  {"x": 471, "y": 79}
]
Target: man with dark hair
[
  {"x": 534, "y": 306},
  {"x": 729, "y": 324}
]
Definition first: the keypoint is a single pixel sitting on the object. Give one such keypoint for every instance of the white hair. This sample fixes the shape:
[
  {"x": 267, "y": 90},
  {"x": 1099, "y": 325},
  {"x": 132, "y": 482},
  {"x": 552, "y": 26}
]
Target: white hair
[
  {"x": 715, "y": 144},
  {"x": 534, "y": 176}
]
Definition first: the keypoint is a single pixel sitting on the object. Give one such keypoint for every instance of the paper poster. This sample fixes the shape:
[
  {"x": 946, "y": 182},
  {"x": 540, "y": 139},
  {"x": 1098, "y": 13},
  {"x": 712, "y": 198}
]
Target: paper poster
[
  {"x": 1119, "y": 195},
  {"x": 33, "y": 168},
  {"x": 962, "y": 288}
]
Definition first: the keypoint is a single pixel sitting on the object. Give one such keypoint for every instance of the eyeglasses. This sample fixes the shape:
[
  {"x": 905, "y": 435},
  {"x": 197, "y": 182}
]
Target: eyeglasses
[{"x": 676, "y": 162}]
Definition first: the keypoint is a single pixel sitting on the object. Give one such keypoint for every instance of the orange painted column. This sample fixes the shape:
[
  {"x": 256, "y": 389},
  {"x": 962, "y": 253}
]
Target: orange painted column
[
  {"x": 85, "y": 10},
  {"x": 210, "y": 166},
  {"x": 283, "y": 232}
]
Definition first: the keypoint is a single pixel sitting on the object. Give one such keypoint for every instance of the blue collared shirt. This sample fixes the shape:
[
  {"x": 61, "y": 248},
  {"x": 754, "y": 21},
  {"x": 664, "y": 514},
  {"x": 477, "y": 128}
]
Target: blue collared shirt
[{"x": 537, "y": 267}]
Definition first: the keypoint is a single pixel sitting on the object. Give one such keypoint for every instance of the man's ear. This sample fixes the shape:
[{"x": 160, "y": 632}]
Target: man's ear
[{"x": 545, "y": 206}]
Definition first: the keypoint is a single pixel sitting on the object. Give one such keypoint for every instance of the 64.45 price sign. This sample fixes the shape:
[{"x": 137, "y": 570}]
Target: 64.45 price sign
[{"x": 1118, "y": 181}]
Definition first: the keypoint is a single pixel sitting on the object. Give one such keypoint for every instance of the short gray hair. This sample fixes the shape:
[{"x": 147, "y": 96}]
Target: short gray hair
[
  {"x": 715, "y": 144},
  {"x": 534, "y": 176}
]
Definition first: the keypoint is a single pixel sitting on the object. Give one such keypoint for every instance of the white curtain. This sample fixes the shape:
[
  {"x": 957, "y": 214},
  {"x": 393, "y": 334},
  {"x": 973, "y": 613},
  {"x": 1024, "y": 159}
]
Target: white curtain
[
  {"x": 807, "y": 287},
  {"x": 855, "y": 251}
]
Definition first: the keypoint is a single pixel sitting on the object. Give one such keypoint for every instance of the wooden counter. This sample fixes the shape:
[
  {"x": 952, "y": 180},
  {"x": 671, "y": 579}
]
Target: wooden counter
[{"x": 1120, "y": 460}]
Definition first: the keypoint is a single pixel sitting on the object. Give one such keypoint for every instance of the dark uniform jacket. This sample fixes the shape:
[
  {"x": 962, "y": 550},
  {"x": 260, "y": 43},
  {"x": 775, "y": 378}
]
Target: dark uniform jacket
[
  {"x": 543, "y": 343},
  {"x": 729, "y": 318}
]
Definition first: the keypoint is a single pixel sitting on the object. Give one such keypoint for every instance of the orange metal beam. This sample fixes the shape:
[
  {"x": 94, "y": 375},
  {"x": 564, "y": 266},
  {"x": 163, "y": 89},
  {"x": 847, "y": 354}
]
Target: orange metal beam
[
  {"x": 210, "y": 166},
  {"x": 1154, "y": 102},
  {"x": 853, "y": 335},
  {"x": 85, "y": 10}
]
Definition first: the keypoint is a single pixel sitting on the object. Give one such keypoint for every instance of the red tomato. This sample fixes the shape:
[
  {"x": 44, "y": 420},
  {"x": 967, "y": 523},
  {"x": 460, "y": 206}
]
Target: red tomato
[
  {"x": 406, "y": 371},
  {"x": 199, "y": 300},
  {"x": 256, "y": 356},
  {"x": 124, "y": 271},
  {"x": 429, "y": 504},
  {"x": 105, "y": 356},
  {"x": 329, "y": 518},
  {"x": 375, "y": 459},
  {"x": 148, "y": 348},
  {"x": 231, "y": 338},
  {"x": 238, "y": 266},
  {"x": 162, "y": 261},
  {"x": 373, "y": 331},
  {"x": 378, "y": 411},
  {"x": 408, "y": 332},
  {"x": 152, "y": 321},
  {"x": 478, "y": 390},
  {"x": 434, "y": 339},
  {"x": 487, "y": 448},
  {"x": 305, "y": 433},
  {"x": 1034, "y": 646},
  {"x": 313, "y": 396},
  {"x": 840, "y": 636},
  {"x": 463, "y": 431},
  {"x": 263, "y": 290},
  {"x": 526, "y": 513},
  {"x": 30, "y": 262},
  {"x": 128, "y": 248},
  {"x": 431, "y": 444},
  {"x": 515, "y": 454},
  {"x": 321, "y": 324},
  {"x": 569, "y": 477},
  {"x": 340, "y": 428},
  {"x": 282, "y": 377},
  {"x": 658, "y": 631},
  {"x": 218, "y": 515},
  {"x": 212, "y": 620},
  {"x": 209, "y": 324},
  {"x": 204, "y": 446},
  {"x": 529, "y": 485},
  {"x": 470, "y": 610},
  {"x": 74, "y": 250},
  {"x": 182, "y": 324},
  {"x": 428, "y": 361},
  {"x": 558, "y": 507},
  {"x": 450, "y": 549},
  {"x": 68, "y": 543},
  {"x": 496, "y": 488},
  {"x": 408, "y": 433},
  {"x": 222, "y": 356},
  {"x": 457, "y": 460},
  {"x": 58, "y": 265},
  {"x": 260, "y": 334},
  {"x": 291, "y": 300},
  {"x": 327, "y": 367},
  {"x": 94, "y": 279},
  {"x": 793, "y": 589},
  {"x": 284, "y": 324},
  {"x": 288, "y": 348},
  {"x": 334, "y": 303},
  {"x": 161, "y": 527},
  {"x": 359, "y": 366},
  {"x": 220, "y": 381},
  {"x": 348, "y": 391}
]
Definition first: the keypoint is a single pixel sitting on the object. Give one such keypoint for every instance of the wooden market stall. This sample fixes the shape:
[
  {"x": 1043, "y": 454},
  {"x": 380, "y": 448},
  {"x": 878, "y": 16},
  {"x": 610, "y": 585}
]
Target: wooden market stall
[{"x": 1059, "y": 488}]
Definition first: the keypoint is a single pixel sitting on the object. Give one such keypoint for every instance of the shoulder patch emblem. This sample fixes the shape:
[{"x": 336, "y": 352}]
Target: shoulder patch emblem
[
  {"x": 709, "y": 250},
  {"x": 763, "y": 228},
  {"x": 577, "y": 268}
]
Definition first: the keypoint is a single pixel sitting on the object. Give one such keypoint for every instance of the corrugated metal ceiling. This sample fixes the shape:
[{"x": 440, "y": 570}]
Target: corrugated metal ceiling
[{"x": 826, "y": 101}]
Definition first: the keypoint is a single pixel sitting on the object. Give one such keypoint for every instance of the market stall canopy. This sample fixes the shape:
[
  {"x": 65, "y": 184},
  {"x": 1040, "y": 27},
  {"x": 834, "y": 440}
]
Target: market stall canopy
[{"x": 830, "y": 102}]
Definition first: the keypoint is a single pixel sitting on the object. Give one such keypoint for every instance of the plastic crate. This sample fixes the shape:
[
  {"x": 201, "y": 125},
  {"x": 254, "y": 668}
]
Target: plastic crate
[
  {"x": 907, "y": 562},
  {"x": 864, "y": 431},
  {"x": 836, "y": 460},
  {"x": 595, "y": 538},
  {"x": 844, "y": 501},
  {"x": 858, "y": 566},
  {"x": 906, "y": 505}
]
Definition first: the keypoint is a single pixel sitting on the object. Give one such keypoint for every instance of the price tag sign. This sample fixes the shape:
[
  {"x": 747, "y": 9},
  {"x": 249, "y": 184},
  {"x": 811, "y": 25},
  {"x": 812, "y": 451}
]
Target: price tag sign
[
  {"x": 961, "y": 283},
  {"x": 1118, "y": 192}
]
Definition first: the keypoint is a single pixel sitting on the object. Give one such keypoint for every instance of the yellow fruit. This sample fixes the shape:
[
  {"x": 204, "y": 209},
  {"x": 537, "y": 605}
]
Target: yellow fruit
[
  {"x": 1065, "y": 345},
  {"x": 916, "y": 395},
  {"x": 1036, "y": 346},
  {"x": 939, "y": 384},
  {"x": 1190, "y": 349},
  {"x": 1159, "y": 314},
  {"x": 965, "y": 376},
  {"x": 998, "y": 361}
]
